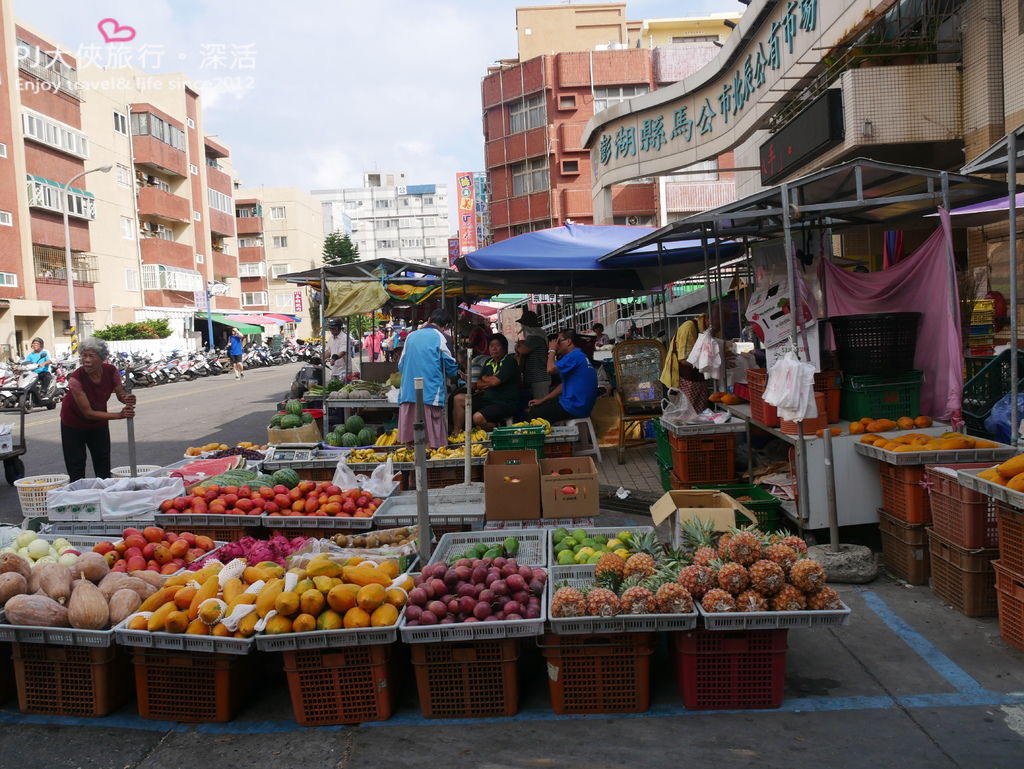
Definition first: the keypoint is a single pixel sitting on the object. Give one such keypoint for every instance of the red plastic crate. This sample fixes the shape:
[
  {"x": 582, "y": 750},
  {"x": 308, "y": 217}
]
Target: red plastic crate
[
  {"x": 960, "y": 515},
  {"x": 1011, "y": 537},
  {"x": 1010, "y": 592},
  {"x": 341, "y": 686},
  {"x": 557, "y": 450},
  {"x": 726, "y": 670},
  {"x": 830, "y": 384},
  {"x": 467, "y": 679},
  {"x": 703, "y": 458},
  {"x": 216, "y": 533},
  {"x": 599, "y": 673},
  {"x": 811, "y": 425},
  {"x": 902, "y": 498},
  {"x": 963, "y": 578},
  {"x": 757, "y": 378},
  {"x": 71, "y": 680},
  {"x": 761, "y": 412},
  {"x": 196, "y": 687},
  {"x": 904, "y": 548}
]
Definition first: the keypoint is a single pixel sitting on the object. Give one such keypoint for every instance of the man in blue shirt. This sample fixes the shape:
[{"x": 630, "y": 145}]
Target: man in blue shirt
[
  {"x": 574, "y": 398},
  {"x": 40, "y": 357},
  {"x": 425, "y": 354},
  {"x": 235, "y": 351}
]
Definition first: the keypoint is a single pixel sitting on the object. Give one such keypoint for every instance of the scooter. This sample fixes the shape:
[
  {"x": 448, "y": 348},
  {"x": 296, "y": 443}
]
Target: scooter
[{"x": 36, "y": 394}]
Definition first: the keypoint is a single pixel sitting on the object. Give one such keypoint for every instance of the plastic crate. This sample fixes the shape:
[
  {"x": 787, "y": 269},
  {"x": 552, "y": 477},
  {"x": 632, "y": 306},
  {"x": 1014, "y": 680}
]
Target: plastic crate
[
  {"x": 557, "y": 450},
  {"x": 963, "y": 578},
  {"x": 33, "y": 490},
  {"x": 1010, "y": 522},
  {"x": 216, "y": 533},
  {"x": 663, "y": 452},
  {"x": 70, "y": 680},
  {"x": 986, "y": 387},
  {"x": 442, "y": 477},
  {"x": 773, "y": 620},
  {"x": 182, "y": 686},
  {"x": 665, "y": 473},
  {"x": 763, "y": 413},
  {"x": 599, "y": 673},
  {"x": 467, "y": 679},
  {"x": 341, "y": 686},
  {"x": 960, "y": 515},
  {"x": 812, "y": 424},
  {"x": 7, "y": 685},
  {"x": 875, "y": 343},
  {"x": 516, "y": 438},
  {"x": 757, "y": 378},
  {"x": 1010, "y": 593},
  {"x": 704, "y": 458},
  {"x": 906, "y": 500},
  {"x": 730, "y": 670},
  {"x": 533, "y": 545},
  {"x": 904, "y": 549},
  {"x": 765, "y": 507},
  {"x": 881, "y": 396}
]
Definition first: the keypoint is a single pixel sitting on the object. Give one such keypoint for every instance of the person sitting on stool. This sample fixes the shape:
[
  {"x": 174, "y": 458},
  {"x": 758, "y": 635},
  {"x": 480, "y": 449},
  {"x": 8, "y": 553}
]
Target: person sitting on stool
[
  {"x": 496, "y": 392},
  {"x": 574, "y": 398}
]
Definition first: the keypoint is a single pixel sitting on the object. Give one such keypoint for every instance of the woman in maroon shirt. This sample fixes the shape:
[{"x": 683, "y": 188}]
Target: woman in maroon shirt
[{"x": 83, "y": 413}]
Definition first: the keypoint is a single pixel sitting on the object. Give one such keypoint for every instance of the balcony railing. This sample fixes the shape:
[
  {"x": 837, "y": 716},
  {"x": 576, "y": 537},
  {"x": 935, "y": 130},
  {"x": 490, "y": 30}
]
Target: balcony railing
[{"x": 50, "y": 265}]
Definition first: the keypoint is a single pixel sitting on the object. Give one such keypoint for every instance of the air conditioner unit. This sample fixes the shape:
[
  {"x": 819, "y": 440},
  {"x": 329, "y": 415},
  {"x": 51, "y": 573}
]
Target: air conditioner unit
[{"x": 402, "y": 190}]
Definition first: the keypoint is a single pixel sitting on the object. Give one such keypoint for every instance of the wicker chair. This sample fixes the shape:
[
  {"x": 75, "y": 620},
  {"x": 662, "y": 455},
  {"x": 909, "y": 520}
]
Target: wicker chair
[{"x": 639, "y": 391}]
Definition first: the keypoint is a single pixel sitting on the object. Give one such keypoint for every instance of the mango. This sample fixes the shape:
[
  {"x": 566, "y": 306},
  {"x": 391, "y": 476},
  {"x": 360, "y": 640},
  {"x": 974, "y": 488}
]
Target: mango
[
  {"x": 329, "y": 620},
  {"x": 304, "y": 623},
  {"x": 384, "y": 615},
  {"x": 342, "y": 597},
  {"x": 311, "y": 602}
]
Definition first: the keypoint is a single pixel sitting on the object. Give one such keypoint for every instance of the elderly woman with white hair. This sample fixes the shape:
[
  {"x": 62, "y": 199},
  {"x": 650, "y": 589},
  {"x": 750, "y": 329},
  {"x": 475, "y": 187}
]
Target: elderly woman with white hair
[{"x": 83, "y": 414}]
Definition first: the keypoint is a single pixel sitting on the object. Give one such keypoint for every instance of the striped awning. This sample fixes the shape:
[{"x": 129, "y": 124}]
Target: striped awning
[{"x": 244, "y": 328}]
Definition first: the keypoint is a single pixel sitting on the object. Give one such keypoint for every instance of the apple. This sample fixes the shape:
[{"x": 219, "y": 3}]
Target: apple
[{"x": 112, "y": 557}]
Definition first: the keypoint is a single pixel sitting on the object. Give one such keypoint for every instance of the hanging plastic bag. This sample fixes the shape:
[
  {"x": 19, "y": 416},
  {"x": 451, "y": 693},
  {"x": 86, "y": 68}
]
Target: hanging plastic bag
[
  {"x": 676, "y": 407},
  {"x": 790, "y": 389},
  {"x": 706, "y": 355},
  {"x": 381, "y": 483}
]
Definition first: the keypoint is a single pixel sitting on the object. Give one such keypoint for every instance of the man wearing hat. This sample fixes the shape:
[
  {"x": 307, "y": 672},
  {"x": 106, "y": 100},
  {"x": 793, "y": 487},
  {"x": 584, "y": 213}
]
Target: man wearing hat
[
  {"x": 533, "y": 353},
  {"x": 337, "y": 347}
]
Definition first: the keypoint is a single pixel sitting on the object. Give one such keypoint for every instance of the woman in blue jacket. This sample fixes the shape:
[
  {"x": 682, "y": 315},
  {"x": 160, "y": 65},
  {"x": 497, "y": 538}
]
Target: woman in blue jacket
[{"x": 425, "y": 354}]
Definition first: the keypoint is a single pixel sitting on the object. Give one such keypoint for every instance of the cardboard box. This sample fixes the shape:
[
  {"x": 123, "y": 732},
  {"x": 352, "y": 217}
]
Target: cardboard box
[
  {"x": 308, "y": 433},
  {"x": 511, "y": 486},
  {"x": 556, "y": 501},
  {"x": 706, "y": 504}
]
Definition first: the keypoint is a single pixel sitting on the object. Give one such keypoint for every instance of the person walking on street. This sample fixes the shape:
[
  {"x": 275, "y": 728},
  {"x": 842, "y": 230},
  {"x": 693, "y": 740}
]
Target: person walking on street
[
  {"x": 83, "y": 413},
  {"x": 574, "y": 398},
  {"x": 235, "y": 352},
  {"x": 425, "y": 354}
]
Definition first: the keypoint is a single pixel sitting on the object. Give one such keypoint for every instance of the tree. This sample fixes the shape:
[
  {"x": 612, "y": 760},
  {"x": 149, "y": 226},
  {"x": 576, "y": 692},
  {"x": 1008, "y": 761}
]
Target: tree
[{"x": 339, "y": 249}]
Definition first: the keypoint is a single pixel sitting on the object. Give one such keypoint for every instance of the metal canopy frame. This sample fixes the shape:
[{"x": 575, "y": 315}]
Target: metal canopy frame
[{"x": 1006, "y": 156}]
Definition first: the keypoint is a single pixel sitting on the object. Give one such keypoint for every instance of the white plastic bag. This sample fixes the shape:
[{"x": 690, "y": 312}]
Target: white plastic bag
[
  {"x": 379, "y": 484},
  {"x": 676, "y": 407},
  {"x": 706, "y": 355},
  {"x": 790, "y": 389}
]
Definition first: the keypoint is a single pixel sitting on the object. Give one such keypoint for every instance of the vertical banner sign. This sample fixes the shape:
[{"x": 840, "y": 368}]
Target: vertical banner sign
[
  {"x": 297, "y": 301},
  {"x": 466, "y": 211},
  {"x": 199, "y": 298},
  {"x": 453, "y": 251}
]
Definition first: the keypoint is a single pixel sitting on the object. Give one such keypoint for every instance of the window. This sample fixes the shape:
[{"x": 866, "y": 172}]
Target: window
[
  {"x": 249, "y": 212},
  {"x": 54, "y": 134},
  {"x": 164, "y": 277},
  {"x": 131, "y": 280},
  {"x": 385, "y": 203},
  {"x": 412, "y": 242},
  {"x": 147, "y": 124},
  {"x": 196, "y": 216},
  {"x": 220, "y": 202},
  {"x": 155, "y": 230},
  {"x": 9, "y": 279},
  {"x": 570, "y": 166},
  {"x": 149, "y": 180},
  {"x": 429, "y": 242},
  {"x": 193, "y": 168},
  {"x": 200, "y": 258},
  {"x": 568, "y": 101},
  {"x": 249, "y": 242},
  {"x": 280, "y": 241},
  {"x": 284, "y": 300},
  {"x": 6, "y": 219},
  {"x": 277, "y": 270},
  {"x": 605, "y": 97},
  {"x": 252, "y": 269},
  {"x": 351, "y": 203},
  {"x": 48, "y": 66},
  {"x": 250, "y": 298},
  {"x": 3, "y": 150},
  {"x": 120, "y": 123},
  {"x": 520, "y": 229},
  {"x": 529, "y": 176},
  {"x": 124, "y": 175},
  {"x": 127, "y": 228},
  {"x": 278, "y": 212},
  {"x": 428, "y": 200},
  {"x": 695, "y": 39},
  {"x": 190, "y": 122},
  {"x": 527, "y": 113},
  {"x": 43, "y": 193},
  {"x": 387, "y": 243},
  {"x": 388, "y": 224}
]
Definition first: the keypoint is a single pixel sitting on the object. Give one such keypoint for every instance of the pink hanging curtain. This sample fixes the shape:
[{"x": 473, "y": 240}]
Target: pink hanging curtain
[{"x": 917, "y": 283}]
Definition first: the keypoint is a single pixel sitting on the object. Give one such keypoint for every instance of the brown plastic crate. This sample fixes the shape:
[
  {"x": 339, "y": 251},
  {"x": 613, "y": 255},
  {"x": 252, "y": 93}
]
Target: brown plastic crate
[
  {"x": 195, "y": 687},
  {"x": 963, "y": 516},
  {"x": 467, "y": 679},
  {"x": 904, "y": 473},
  {"x": 440, "y": 477},
  {"x": 963, "y": 578},
  {"x": 341, "y": 686},
  {"x": 830, "y": 384},
  {"x": 557, "y": 450},
  {"x": 1010, "y": 592},
  {"x": 1011, "y": 537},
  {"x": 907, "y": 501},
  {"x": 216, "y": 533},
  {"x": 71, "y": 680},
  {"x": 599, "y": 673},
  {"x": 703, "y": 458},
  {"x": 904, "y": 549}
]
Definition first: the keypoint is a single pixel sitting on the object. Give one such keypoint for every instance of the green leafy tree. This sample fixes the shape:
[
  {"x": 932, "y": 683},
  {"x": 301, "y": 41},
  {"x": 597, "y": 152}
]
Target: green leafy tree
[
  {"x": 339, "y": 249},
  {"x": 150, "y": 329}
]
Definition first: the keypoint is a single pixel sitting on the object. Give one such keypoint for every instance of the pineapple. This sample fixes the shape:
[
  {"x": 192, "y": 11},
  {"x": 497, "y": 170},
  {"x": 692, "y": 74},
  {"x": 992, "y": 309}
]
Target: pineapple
[
  {"x": 602, "y": 602},
  {"x": 766, "y": 577},
  {"x": 716, "y": 600},
  {"x": 696, "y": 579},
  {"x": 699, "y": 536},
  {"x": 646, "y": 543},
  {"x": 798, "y": 545},
  {"x": 638, "y": 600},
  {"x": 642, "y": 564},
  {"x": 673, "y": 598},
  {"x": 731, "y": 576},
  {"x": 610, "y": 562},
  {"x": 568, "y": 602},
  {"x": 609, "y": 580},
  {"x": 751, "y": 600},
  {"x": 783, "y": 555},
  {"x": 702, "y": 556},
  {"x": 723, "y": 545},
  {"x": 789, "y": 599},
  {"x": 807, "y": 575},
  {"x": 745, "y": 547},
  {"x": 825, "y": 599}
]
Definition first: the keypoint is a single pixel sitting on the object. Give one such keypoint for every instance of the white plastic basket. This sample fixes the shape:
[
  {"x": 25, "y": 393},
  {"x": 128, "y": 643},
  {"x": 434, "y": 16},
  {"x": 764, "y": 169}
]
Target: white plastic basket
[
  {"x": 125, "y": 471},
  {"x": 32, "y": 491}
]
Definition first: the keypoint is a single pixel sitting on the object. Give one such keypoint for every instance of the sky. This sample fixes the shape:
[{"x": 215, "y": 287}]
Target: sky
[{"x": 310, "y": 93}]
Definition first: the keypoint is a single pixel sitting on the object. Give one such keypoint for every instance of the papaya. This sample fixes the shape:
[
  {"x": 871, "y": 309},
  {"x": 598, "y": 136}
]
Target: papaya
[
  {"x": 356, "y": 617},
  {"x": 253, "y": 574},
  {"x": 177, "y": 622},
  {"x": 905, "y": 423},
  {"x": 277, "y": 625},
  {"x": 1011, "y": 467},
  {"x": 323, "y": 584},
  {"x": 922, "y": 421},
  {"x": 396, "y": 597},
  {"x": 244, "y": 599},
  {"x": 161, "y": 597},
  {"x": 323, "y": 568},
  {"x": 980, "y": 444},
  {"x": 329, "y": 620},
  {"x": 384, "y": 615},
  {"x": 370, "y": 597},
  {"x": 138, "y": 622},
  {"x": 197, "y": 627},
  {"x": 183, "y": 598},
  {"x": 366, "y": 575},
  {"x": 221, "y": 630},
  {"x": 269, "y": 594},
  {"x": 869, "y": 438},
  {"x": 311, "y": 602},
  {"x": 287, "y": 604},
  {"x": 304, "y": 623},
  {"x": 304, "y": 585},
  {"x": 856, "y": 428},
  {"x": 954, "y": 444},
  {"x": 271, "y": 569},
  {"x": 158, "y": 619},
  {"x": 405, "y": 582},
  {"x": 212, "y": 611},
  {"x": 247, "y": 625},
  {"x": 232, "y": 589},
  {"x": 342, "y": 597},
  {"x": 991, "y": 474},
  {"x": 389, "y": 567},
  {"x": 1016, "y": 483}
]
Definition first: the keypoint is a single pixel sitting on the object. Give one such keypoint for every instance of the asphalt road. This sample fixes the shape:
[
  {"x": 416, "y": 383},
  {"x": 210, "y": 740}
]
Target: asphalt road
[{"x": 170, "y": 418}]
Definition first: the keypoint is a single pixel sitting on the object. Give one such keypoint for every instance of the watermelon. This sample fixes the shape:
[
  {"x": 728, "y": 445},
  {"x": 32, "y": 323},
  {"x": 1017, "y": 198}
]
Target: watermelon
[
  {"x": 354, "y": 424},
  {"x": 288, "y": 478},
  {"x": 275, "y": 421},
  {"x": 333, "y": 439},
  {"x": 291, "y": 420},
  {"x": 365, "y": 437},
  {"x": 263, "y": 480},
  {"x": 306, "y": 417},
  {"x": 349, "y": 440},
  {"x": 293, "y": 407}
]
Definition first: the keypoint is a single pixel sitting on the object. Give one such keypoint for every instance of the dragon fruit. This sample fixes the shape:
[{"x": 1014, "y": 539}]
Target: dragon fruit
[{"x": 253, "y": 550}]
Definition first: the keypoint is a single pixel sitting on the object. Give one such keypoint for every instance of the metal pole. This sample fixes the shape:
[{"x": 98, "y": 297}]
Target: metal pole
[
  {"x": 830, "y": 492},
  {"x": 951, "y": 266},
  {"x": 721, "y": 310},
  {"x": 209, "y": 317},
  {"x": 419, "y": 431},
  {"x": 127, "y": 385},
  {"x": 1011, "y": 186},
  {"x": 323, "y": 330},
  {"x": 469, "y": 415},
  {"x": 72, "y": 310},
  {"x": 707, "y": 283}
]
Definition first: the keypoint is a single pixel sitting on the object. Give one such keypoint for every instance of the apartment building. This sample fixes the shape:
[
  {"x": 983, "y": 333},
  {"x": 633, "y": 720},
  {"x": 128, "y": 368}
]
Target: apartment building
[
  {"x": 280, "y": 230},
  {"x": 390, "y": 218}
]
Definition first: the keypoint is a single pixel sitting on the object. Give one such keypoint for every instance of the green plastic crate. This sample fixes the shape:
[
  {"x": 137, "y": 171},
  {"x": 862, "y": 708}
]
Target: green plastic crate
[
  {"x": 881, "y": 396},
  {"x": 984, "y": 389},
  {"x": 666, "y": 475},
  {"x": 664, "y": 449},
  {"x": 765, "y": 507},
  {"x": 519, "y": 438}
]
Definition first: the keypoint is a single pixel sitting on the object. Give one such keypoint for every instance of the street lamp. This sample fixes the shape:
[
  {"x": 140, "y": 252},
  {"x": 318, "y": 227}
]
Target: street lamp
[{"x": 72, "y": 313}]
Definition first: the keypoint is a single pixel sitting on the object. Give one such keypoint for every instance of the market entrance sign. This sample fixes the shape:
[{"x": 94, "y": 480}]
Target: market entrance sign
[{"x": 718, "y": 107}]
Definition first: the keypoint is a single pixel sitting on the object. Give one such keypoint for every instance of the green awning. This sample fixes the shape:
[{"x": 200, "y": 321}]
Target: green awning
[
  {"x": 244, "y": 328},
  {"x": 59, "y": 186}
]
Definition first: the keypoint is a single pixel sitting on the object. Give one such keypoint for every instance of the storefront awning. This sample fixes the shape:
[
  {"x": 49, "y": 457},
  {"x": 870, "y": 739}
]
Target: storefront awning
[
  {"x": 284, "y": 318},
  {"x": 256, "y": 319},
  {"x": 58, "y": 185},
  {"x": 244, "y": 328}
]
